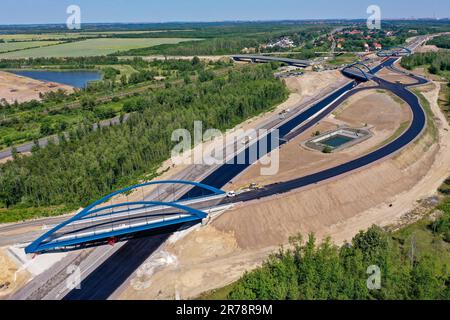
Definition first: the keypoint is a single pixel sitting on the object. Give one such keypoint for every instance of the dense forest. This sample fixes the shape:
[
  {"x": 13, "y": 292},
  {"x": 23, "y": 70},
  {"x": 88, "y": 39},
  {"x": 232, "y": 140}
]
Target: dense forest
[
  {"x": 326, "y": 272},
  {"x": 92, "y": 163},
  {"x": 441, "y": 42},
  {"x": 219, "y": 46},
  {"x": 224, "y": 41},
  {"x": 62, "y": 63},
  {"x": 100, "y": 100},
  {"x": 437, "y": 62}
]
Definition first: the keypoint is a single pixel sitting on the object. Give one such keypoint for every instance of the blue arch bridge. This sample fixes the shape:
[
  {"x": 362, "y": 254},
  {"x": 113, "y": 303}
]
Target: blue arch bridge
[
  {"x": 359, "y": 71},
  {"x": 129, "y": 211},
  {"x": 395, "y": 52}
]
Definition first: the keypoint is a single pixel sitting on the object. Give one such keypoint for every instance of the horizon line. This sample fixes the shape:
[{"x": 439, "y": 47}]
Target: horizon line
[{"x": 227, "y": 21}]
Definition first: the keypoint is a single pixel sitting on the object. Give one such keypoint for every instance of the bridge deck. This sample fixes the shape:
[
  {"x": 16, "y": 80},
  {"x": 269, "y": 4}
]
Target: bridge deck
[
  {"x": 105, "y": 218},
  {"x": 259, "y": 58}
]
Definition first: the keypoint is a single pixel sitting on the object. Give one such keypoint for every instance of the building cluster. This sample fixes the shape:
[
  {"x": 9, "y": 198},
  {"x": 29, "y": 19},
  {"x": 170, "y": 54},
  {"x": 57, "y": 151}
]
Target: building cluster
[
  {"x": 369, "y": 38},
  {"x": 284, "y": 42}
]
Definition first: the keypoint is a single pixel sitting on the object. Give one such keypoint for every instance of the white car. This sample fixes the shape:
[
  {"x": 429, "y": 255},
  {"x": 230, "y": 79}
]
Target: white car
[
  {"x": 247, "y": 140},
  {"x": 231, "y": 194}
]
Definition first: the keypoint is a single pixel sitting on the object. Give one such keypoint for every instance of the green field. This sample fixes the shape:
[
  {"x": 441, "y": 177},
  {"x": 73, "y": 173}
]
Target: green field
[
  {"x": 69, "y": 35},
  {"x": 345, "y": 58},
  {"x": 13, "y": 46},
  {"x": 91, "y": 47},
  {"x": 44, "y": 36}
]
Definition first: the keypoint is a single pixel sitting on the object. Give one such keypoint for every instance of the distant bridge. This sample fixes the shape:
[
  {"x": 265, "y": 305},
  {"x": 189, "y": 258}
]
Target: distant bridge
[
  {"x": 105, "y": 220},
  {"x": 265, "y": 59},
  {"x": 395, "y": 52}
]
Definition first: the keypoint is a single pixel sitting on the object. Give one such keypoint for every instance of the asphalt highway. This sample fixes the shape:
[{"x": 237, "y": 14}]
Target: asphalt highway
[
  {"x": 417, "y": 126},
  {"x": 227, "y": 172},
  {"x": 103, "y": 282}
]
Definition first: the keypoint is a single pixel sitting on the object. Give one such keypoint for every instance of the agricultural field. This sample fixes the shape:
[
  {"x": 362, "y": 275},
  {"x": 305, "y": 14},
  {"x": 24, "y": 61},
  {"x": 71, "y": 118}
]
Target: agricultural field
[
  {"x": 44, "y": 36},
  {"x": 91, "y": 47},
  {"x": 15, "y": 46},
  {"x": 69, "y": 35}
]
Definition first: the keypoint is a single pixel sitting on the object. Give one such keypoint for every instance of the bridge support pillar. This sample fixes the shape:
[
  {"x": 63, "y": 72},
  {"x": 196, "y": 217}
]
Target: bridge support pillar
[{"x": 206, "y": 221}]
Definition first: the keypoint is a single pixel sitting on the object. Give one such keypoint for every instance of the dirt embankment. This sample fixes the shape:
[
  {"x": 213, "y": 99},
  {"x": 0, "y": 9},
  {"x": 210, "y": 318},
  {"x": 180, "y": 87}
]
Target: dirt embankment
[
  {"x": 10, "y": 277},
  {"x": 22, "y": 89},
  {"x": 311, "y": 83},
  {"x": 393, "y": 76},
  {"x": 381, "y": 113},
  {"x": 427, "y": 48}
]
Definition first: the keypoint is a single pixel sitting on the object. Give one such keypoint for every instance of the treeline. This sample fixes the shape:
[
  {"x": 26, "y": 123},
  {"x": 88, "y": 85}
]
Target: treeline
[
  {"x": 232, "y": 40},
  {"x": 90, "y": 164},
  {"x": 441, "y": 42},
  {"x": 327, "y": 272},
  {"x": 437, "y": 62},
  {"x": 68, "y": 63},
  {"x": 101, "y": 100},
  {"x": 218, "y": 46}
]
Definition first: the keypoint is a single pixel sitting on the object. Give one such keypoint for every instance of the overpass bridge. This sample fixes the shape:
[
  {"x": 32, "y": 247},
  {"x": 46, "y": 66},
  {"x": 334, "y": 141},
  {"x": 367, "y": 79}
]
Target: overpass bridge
[
  {"x": 397, "y": 51},
  {"x": 266, "y": 59},
  {"x": 111, "y": 218}
]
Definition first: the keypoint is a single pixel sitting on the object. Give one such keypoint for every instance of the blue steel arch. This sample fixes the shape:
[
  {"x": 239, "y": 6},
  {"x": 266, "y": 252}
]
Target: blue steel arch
[
  {"x": 355, "y": 66},
  {"x": 359, "y": 63},
  {"x": 38, "y": 246},
  {"x": 195, "y": 184},
  {"x": 195, "y": 213}
]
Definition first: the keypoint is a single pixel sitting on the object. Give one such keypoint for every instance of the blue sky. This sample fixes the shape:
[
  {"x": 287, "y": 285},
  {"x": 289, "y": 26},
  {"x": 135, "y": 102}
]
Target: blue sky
[{"x": 54, "y": 11}]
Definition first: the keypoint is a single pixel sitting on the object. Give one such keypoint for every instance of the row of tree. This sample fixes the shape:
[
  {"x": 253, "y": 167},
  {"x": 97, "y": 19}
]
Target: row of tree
[
  {"x": 437, "y": 62},
  {"x": 441, "y": 42},
  {"x": 92, "y": 163},
  {"x": 63, "y": 63},
  {"x": 373, "y": 266},
  {"x": 58, "y": 109}
]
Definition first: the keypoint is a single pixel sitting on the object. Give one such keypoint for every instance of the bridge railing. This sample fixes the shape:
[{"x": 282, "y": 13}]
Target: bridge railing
[
  {"x": 88, "y": 214},
  {"x": 53, "y": 239},
  {"x": 352, "y": 71},
  {"x": 394, "y": 51}
]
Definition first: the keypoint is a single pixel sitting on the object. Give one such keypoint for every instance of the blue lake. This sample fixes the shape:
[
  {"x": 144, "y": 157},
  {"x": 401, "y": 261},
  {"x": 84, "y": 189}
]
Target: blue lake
[{"x": 77, "y": 79}]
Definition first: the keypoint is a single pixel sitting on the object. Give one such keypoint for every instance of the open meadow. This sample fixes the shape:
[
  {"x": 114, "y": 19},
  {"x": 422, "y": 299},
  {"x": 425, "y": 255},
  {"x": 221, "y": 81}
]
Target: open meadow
[
  {"x": 91, "y": 47},
  {"x": 16, "y": 46}
]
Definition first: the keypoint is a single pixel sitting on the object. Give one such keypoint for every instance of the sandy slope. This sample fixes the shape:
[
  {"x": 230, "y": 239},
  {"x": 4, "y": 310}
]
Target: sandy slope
[
  {"x": 10, "y": 279},
  {"x": 14, "y": 87},
  {"x": 379, "y": 111}
]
